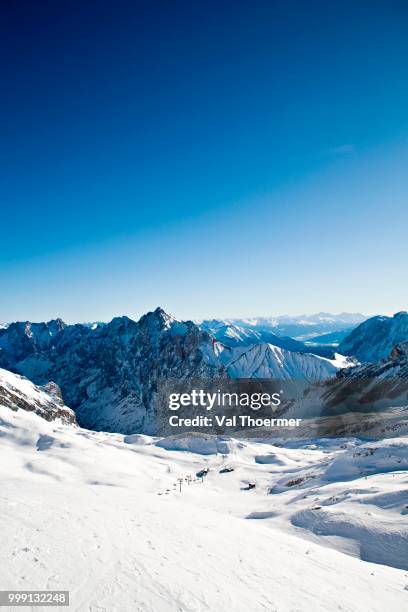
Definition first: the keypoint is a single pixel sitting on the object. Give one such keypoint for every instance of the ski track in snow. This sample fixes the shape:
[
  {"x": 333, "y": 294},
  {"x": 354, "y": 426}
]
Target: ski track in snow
[{"x": 89, "y": 512}]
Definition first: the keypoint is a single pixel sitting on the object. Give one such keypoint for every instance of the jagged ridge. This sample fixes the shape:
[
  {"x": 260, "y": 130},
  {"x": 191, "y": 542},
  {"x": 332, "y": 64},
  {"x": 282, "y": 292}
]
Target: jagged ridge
[{"x": 16, "y": 392}]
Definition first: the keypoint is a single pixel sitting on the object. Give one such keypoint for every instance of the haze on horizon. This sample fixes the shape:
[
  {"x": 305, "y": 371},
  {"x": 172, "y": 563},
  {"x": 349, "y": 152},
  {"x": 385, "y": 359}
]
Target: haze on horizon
[
  {"x": 218, "y": 159},
  {"x": 282, "y": 317}
]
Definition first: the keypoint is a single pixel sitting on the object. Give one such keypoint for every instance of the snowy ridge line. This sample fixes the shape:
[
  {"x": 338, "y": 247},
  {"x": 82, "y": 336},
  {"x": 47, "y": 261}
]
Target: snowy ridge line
[{"x": 108, "y": 374}]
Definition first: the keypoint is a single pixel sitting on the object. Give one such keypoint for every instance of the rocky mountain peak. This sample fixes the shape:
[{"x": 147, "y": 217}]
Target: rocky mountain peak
[
  {"x": 401, "y": 314},
  {"x": 54, "y": 391},
  {"x": 119, "y": 323},
  {"x": 156, "y": 321},
  {"x": 55, "y": 325}
]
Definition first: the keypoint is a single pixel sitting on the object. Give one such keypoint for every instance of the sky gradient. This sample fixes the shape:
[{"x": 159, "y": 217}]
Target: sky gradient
[{"x": 216, "y": 158}]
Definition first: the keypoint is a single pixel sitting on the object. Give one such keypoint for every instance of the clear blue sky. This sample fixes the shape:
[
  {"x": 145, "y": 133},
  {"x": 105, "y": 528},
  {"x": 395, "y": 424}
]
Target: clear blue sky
[{"x": 216, "y": 158}]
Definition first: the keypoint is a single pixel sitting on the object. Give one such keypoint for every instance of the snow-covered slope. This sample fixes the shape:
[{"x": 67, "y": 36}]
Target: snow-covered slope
[
  {"x": 16, "y": 392},
  {"x": 101, "y": 515},
  {"x": 237, "y": 335},
  {"x": 268, "y": 361},
  {"x": 374, "y": 339}
]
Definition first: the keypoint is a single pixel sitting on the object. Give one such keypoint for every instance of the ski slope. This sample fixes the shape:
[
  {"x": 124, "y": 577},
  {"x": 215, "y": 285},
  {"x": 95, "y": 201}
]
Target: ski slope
[{"x": 98, "y": 514}]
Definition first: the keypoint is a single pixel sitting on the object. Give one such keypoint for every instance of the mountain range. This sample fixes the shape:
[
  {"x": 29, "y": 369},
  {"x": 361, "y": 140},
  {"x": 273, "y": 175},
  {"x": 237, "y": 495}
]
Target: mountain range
[
  {"x": 109, "y": 373},
  {"x": 232, "y": 335},
  {"x": 288, "y": 328}
]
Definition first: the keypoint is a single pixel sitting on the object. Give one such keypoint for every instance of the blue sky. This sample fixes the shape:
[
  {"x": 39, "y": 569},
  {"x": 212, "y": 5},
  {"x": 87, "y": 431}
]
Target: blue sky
[{"x": 216, "y": 158}]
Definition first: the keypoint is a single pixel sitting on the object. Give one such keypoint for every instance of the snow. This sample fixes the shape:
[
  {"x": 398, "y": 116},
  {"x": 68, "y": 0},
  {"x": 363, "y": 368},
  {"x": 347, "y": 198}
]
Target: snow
[
  {"x": 268, "y": 361},
  {"x": 18, "y": 393},
  {"x": 23, "y": 387},
  {"x": 200, "y": 444},
  {"x": 98, "y": 514},
  {"x": 383, "y": 456},
  {"x": 300, "y": 327},
  {"x": 109, "y": 374},
  {"x": 340, "y": 361}
]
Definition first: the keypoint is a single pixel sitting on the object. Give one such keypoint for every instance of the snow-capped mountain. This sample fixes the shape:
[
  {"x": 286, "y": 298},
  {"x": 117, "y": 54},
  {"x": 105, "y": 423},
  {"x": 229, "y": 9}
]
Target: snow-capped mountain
[
  {"x": 109, "y": 374},
  {"x": 16, "y": 392},
  {"x": 374, "y": 339},
  {"x": 238, "y": 335},
  {"x": 269, "y": 361},
  {"x": 394, "y": 366},
  {"x": 22, "y": 339},
  {"x": 366, "y": 388},
  {"x": 300, "y": 327}
]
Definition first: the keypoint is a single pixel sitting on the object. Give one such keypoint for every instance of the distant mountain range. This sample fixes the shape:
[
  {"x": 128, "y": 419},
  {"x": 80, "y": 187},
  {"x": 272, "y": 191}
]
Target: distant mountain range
[
  {"x": 109, "y": 373},
  {"x": 288, "y": 329},
  {"x": 300, "y": 328}
]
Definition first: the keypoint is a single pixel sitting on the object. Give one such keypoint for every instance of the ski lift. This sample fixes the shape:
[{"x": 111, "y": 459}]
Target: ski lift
[{"x": 202, "y": 472}]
